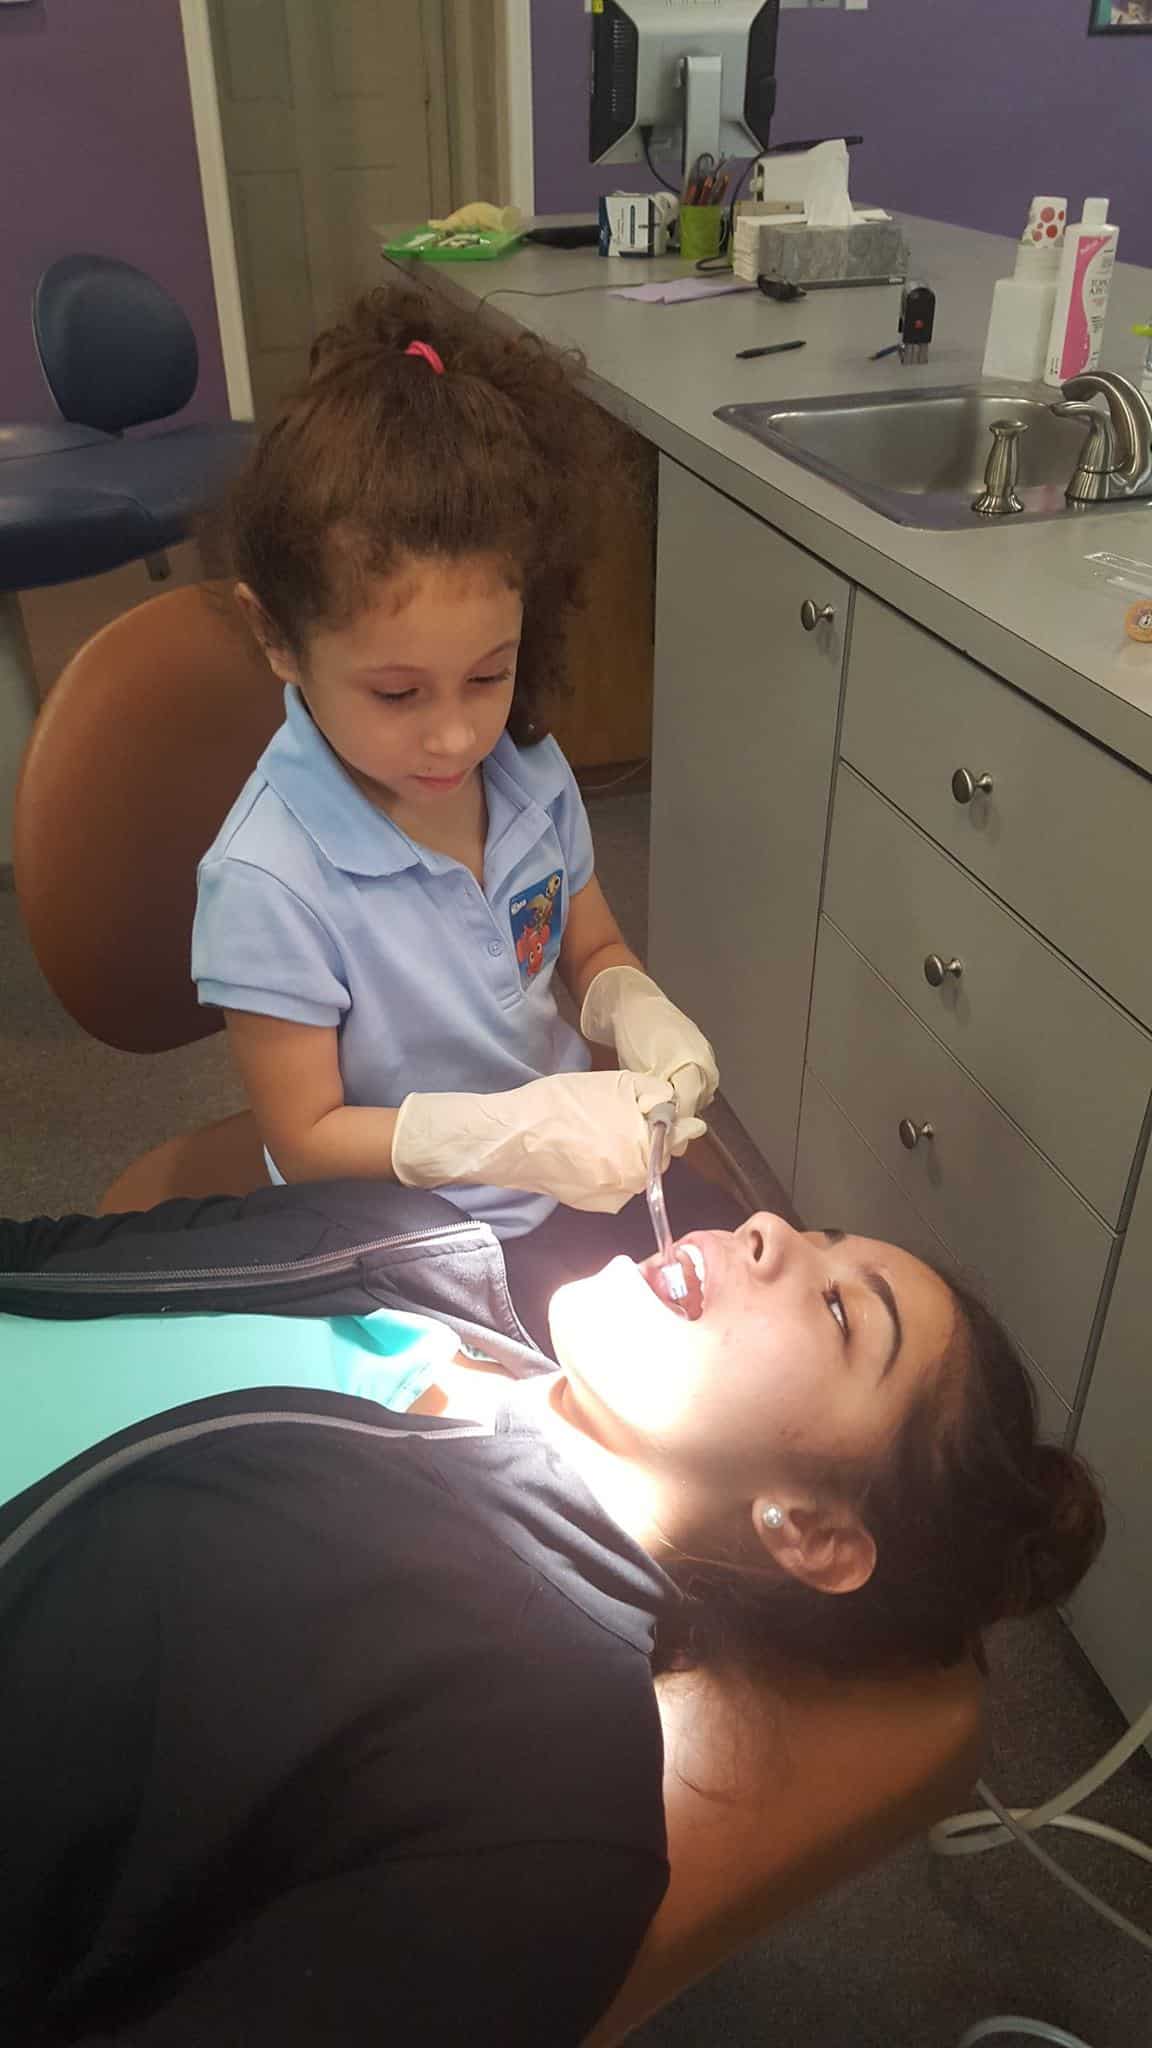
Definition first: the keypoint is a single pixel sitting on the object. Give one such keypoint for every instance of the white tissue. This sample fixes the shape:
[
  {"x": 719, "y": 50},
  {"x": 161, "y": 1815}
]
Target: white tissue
[{"x": 826, "y": 201}]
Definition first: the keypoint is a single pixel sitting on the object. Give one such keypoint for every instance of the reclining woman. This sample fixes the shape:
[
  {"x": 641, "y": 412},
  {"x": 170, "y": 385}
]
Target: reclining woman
[{"x": 342, "y": 1728}]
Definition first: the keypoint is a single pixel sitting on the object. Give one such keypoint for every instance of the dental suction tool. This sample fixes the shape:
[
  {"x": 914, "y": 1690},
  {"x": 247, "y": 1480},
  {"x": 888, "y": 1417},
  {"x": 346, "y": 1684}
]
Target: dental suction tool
[{"x": 661, "y": 1120}]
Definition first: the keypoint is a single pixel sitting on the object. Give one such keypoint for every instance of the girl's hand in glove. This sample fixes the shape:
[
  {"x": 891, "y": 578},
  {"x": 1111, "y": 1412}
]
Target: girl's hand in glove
[
  {"x": 625, "y": 1009},
  {"x": 582, "y": 1138}
]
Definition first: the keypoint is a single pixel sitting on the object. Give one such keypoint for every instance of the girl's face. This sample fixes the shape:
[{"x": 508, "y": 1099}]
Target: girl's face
[
  {"x": 809, "y": 1344},
  {"x": 415, "y": 692}
]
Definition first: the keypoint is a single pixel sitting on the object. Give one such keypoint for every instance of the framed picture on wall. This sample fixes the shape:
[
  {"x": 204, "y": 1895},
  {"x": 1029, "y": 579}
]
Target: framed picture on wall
[{"x": 1120, "y": 18}]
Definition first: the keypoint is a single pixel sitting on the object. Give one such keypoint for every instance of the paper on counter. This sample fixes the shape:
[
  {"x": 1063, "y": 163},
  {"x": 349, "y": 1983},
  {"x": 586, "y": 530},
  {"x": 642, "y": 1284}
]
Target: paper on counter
[{"x": 675, "y": 289}]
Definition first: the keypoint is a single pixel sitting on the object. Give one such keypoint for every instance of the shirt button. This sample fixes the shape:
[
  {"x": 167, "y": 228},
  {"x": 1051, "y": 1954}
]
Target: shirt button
[{"x": 495, "y": 948}]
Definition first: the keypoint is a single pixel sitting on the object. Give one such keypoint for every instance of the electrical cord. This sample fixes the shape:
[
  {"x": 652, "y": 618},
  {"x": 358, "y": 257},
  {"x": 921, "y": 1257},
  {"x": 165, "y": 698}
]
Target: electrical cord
[
  {"x": 1020, "y": 1825},
  {"x": 1011, "y": 2023},
  {"x": 646, "y": 146},
  {"x": 740, "y": 183},
  {"x": 519, "y": 291},
  {"x": 1062, "y": 1803},
  {"x": 617, "y": 782}
]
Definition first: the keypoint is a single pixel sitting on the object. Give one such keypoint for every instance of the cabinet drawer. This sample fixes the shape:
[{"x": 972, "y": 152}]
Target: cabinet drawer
[
  {"x": 840, "y": 1182},
  {"x": 1065, "y": 836},
  {"x": 1069, "y": 1066},
  {"x": 1031, "y": 1245}
]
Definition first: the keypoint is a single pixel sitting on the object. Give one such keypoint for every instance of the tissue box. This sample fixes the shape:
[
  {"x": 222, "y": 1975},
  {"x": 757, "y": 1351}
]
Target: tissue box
[{"x": 805, "y": 255}]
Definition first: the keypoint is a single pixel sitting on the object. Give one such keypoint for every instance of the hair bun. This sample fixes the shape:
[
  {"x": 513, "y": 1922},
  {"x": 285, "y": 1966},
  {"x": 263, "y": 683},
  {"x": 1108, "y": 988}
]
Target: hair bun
[
  {"x": 381, "y": 324},
  {"x": 1052, "y": 1556}
]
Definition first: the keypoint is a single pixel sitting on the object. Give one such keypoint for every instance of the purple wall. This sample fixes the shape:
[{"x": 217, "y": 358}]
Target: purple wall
[
  {"x": 967, "y": 107},
  {"x": 97, "y": 152}
]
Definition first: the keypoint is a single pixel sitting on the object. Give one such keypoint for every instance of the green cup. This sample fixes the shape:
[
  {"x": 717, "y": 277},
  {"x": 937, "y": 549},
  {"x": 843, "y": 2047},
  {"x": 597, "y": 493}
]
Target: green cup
[{"x": 701, "y": 232}]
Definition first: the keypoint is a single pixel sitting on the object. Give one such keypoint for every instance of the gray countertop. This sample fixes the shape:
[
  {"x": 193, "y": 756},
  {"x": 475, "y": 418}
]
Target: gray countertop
[{"x": 1025, "y": 600}]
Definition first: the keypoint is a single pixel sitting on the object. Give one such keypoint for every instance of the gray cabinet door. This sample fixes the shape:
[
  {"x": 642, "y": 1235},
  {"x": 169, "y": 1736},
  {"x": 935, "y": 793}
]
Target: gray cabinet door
[
  {"x": 744, "y": 736},
  {"x": 840, "y": 1184},
  {"x": 1066, "y": 1063},
  {"x": 1018, "y": 1228},
  {"x": 1110, "y": 1613},
  {"x": 1063, "y": 835}
]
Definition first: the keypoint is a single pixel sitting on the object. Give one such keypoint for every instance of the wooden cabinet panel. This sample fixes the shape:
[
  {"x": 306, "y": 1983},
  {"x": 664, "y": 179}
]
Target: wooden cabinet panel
[{"x": 605, "y": 719}]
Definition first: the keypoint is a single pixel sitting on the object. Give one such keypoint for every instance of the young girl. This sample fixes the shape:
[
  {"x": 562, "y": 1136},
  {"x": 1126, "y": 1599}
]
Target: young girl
[{"x": 386, "y": 907}]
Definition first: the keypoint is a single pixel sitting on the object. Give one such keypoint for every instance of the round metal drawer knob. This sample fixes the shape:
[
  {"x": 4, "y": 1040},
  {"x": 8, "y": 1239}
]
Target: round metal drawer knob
[
  {"x": 911, "y": 1134},
  {"x": 938, "y": 971},
  {"x": 965, "y": 786},
  {"x": 813, "y": 614}
]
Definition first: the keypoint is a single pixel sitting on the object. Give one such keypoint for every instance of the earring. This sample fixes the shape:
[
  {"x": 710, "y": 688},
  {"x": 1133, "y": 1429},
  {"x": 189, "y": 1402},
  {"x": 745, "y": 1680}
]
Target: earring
[{"x": 772, "y": 1518}]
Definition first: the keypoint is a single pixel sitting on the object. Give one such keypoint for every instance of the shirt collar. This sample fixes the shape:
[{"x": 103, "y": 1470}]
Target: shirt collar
[
  {"x": 301, "y": 767},
  {"x": 352, "y": 834},
  {"x": 616, "y": 1581}
]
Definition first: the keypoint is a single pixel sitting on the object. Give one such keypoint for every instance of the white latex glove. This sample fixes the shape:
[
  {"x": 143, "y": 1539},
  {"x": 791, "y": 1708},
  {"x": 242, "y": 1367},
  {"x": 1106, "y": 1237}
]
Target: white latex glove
[
  {"x": 625, "y": 1009},
  {"x": 479, "y": 214},
  {"x": 579, "y": 1137}
]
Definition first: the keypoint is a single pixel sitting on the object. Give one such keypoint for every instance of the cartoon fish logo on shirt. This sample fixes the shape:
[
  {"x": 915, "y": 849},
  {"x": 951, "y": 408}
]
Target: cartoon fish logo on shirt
[{"x": 537, "y": 921}]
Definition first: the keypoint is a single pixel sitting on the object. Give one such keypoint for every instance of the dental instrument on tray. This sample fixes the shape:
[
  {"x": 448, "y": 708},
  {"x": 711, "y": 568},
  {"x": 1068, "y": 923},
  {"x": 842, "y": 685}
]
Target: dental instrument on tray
[{"x": 661, "y": 1120}]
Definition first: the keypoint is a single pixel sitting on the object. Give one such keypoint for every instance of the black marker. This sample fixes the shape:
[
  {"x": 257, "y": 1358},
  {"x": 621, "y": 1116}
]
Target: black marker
[{"x": 773, "y": 348}]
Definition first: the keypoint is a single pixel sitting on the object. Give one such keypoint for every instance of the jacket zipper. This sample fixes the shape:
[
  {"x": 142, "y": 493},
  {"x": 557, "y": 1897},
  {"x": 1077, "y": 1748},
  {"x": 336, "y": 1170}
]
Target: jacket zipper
[{"x": 225, "y": 1276}]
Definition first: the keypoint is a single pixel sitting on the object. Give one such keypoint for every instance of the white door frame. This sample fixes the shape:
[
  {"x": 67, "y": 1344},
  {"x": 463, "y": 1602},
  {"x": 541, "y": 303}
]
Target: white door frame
[
  {"x": 515, "y": 56},
  {"x": 217, "y": 208},
  {"x": 519, "y": 139}
]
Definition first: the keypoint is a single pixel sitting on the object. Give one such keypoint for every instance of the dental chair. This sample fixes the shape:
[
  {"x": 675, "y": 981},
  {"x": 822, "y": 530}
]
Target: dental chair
[
  {"x": 85, "y": 493},
  {"x": 772, "y": 1796},
  {"x": 140, "y": 749}
]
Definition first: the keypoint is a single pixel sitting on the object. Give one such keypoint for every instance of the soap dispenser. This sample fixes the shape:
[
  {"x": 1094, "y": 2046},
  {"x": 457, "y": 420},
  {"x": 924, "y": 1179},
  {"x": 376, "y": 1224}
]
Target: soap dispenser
[{"x": 1022, "y": 305}]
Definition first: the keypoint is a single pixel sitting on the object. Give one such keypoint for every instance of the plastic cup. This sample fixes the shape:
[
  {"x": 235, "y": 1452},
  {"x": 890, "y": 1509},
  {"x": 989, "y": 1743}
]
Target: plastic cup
[{"x": 701, "y": 232}]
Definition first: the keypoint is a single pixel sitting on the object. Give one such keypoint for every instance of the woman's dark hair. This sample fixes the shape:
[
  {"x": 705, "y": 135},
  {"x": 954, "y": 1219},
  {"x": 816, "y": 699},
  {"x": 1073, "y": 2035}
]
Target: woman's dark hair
[
  {"x": 974, "y": 1518},
  {"x": 376, "y": 457}
]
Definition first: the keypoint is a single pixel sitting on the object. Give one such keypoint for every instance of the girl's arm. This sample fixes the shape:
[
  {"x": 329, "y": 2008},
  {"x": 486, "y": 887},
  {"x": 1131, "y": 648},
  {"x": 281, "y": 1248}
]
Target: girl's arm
[
  {"x": 291, "y": 1073},
  {"x": 581, "y": 1138},
  {"x": 592, "y": 941}
]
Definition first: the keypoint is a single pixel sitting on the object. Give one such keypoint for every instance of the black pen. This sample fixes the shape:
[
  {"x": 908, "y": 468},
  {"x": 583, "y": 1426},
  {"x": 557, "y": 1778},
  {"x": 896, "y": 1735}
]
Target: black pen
[{"x": 772, "y": 348}]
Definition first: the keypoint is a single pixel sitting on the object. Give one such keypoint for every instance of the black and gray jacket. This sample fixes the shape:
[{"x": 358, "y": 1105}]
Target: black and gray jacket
[{"x": 318, "y": 1725}]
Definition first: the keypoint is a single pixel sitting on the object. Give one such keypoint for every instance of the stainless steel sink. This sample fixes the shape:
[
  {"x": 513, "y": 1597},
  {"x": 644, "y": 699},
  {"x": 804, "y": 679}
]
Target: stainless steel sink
[{"x": 919, "y": 456}]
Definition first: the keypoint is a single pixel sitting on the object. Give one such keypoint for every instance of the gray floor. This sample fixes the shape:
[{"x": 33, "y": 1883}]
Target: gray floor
[{"x": 908, "y": 1957}]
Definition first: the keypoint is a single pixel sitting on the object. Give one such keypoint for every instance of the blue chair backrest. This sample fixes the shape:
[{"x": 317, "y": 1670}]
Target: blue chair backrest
[{"x": 115, "y": 348}]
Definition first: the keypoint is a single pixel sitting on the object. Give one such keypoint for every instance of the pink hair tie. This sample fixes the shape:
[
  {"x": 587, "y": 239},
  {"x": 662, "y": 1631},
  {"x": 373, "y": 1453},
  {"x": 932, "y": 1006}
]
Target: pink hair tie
[{"x": 425, "y": 349}]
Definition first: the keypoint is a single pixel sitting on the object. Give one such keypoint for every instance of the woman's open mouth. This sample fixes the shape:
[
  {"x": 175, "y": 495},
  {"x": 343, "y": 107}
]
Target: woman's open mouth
[{"x": 684, "y": 1294}]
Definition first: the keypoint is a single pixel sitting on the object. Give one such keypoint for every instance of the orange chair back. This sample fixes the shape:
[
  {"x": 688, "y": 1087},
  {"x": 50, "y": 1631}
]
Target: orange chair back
[{"x": 138, "y": 754}]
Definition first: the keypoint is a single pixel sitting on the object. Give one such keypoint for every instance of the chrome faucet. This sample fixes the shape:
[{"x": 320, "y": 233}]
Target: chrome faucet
[
  {"x": 1116, "y": 459},
  {"x": 1001, "y": 476}
]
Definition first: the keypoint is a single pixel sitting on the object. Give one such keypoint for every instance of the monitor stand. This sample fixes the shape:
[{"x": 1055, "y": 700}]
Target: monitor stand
[{"x": 701, "y": 78}]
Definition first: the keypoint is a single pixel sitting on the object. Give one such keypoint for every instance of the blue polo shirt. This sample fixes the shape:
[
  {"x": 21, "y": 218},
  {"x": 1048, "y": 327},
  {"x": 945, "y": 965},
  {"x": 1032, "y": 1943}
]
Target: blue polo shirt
[{"x": 314, "y": 906}]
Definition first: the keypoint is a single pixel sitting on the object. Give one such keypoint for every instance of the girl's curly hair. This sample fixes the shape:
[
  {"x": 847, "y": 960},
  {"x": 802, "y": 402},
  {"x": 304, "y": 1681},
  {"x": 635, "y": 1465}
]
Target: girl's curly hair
[{"x": 376, "y": 458}]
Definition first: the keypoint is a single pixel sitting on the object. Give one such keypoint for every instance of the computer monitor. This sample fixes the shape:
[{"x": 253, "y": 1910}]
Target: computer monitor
[{"x": 682, "y": 75}]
